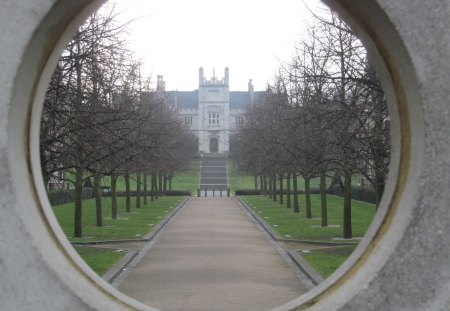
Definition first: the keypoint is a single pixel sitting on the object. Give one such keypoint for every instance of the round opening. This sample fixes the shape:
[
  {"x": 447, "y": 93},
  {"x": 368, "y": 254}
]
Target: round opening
[{"x": 358, "y": 261}]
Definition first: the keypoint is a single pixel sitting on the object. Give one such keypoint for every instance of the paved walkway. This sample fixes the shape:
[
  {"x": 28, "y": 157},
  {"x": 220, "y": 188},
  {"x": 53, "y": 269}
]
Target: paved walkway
[{"x": 212, "y": 257}]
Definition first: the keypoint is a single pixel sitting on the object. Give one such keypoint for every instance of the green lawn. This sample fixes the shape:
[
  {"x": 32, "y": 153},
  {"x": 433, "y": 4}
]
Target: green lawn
[
  {"x": 296, "y": 226},
  {"x": 181, "y": 181},
  {"x": 100, "y": 259},
  {"x": 237, "y": 180},
  {"x": 132, "y": 225},
  {"x": 188, "y": 180},
  {"x": 327, "y": 260}
]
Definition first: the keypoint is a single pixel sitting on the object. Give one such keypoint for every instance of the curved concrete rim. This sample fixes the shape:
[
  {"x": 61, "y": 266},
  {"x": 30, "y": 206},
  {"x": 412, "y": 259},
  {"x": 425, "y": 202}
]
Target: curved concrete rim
[{"x": 394, "y": 38}]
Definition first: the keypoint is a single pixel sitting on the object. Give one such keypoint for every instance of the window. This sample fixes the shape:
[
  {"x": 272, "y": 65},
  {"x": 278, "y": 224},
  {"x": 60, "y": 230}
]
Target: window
[
  {"x": 188, "y": 120},
  {"x": 239, "y": 119},
  {"x": 213, "y": 118}
]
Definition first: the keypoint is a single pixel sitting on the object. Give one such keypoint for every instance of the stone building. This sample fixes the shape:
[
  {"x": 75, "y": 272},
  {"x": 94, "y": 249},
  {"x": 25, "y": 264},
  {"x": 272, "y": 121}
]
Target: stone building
[{"x": 212, "y": 112}]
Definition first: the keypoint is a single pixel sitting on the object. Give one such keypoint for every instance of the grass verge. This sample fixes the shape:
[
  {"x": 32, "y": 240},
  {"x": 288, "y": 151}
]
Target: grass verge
[
  {"x": 188, "y": 180},
  {"x": 133, "y": 225},
  {"x": 327, "y": 260},
  {"x": 290, "y": 225},
  {"x": 100, "y": 259},
  {"x": 296, "y": 226},
  {"x": 237, "y": 180}
]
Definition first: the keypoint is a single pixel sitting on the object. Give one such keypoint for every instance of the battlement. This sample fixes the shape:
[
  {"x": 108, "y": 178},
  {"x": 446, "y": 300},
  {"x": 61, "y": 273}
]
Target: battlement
[{"x": 214, "y": 81}]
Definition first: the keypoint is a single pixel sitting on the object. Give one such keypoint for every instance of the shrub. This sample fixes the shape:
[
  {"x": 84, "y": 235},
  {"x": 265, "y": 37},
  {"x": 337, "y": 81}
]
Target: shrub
[
  {"x": 171, "y": 193},
  {"x": 358, "y": 193},
  {"x": 57, "y": 197},
  {"x": 247, "y": 192}
]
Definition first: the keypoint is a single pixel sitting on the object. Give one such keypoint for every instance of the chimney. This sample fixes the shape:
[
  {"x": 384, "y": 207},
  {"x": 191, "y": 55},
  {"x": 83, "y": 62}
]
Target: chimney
[
  {"x": 161, "y": 85},
  {"x": 201, "y": 77},
  {"x": 227, "y": 76},
  {"x": 251, "y": 91}
]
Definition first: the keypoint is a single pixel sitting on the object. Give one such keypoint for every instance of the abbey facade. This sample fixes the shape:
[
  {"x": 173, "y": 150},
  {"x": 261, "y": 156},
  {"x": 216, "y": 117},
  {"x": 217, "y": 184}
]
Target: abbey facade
[{"x": 212, "y": 112}]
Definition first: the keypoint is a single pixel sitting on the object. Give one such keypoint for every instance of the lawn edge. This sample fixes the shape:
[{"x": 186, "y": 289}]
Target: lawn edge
[
  {"x": 150, "y": 240},
  {"x": 309, "y": 271},
  {"x": 278, "y": 237},
  {"x": 146, "y": 237},
  {"x": 112, "y": 273}
]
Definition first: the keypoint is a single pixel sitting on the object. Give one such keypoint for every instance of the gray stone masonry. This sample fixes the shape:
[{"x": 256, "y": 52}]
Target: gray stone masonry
[{"x": 401, "y": 264}]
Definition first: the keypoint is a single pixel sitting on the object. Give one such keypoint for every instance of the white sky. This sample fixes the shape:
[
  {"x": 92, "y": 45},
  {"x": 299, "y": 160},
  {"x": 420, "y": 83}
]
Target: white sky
[{"x": 175, "y": 37}]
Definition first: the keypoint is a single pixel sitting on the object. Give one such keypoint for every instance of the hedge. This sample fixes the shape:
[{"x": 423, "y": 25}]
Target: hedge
[
  {"x": 358, "y": 193},
  {"x": 168, "y": 193},
  {"x": 57, "y": 197}
]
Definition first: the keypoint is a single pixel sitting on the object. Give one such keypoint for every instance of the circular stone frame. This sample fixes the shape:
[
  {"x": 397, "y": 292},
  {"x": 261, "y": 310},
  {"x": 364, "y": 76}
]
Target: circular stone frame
[{"x": 403, "y": 262}]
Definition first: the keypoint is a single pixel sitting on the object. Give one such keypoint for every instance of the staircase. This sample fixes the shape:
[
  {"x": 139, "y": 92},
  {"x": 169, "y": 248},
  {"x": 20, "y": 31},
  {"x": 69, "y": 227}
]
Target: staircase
[{"x": 213, "y": 175}]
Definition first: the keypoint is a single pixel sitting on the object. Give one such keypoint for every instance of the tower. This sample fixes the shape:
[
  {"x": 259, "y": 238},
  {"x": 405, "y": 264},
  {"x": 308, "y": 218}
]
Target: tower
[{"x": 214, "y": 109}]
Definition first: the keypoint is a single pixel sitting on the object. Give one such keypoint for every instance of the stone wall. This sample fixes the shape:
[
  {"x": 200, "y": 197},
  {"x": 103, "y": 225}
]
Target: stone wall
[{"x": 402, "y": 264}]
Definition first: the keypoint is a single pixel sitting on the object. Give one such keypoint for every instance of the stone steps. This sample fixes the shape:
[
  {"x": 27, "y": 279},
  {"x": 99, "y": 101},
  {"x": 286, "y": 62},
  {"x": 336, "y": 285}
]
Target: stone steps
[{"x": 213, "y": 174}]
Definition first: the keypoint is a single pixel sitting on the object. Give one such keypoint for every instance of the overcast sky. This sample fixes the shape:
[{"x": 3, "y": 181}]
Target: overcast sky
[{"x": 175, "y": 37}]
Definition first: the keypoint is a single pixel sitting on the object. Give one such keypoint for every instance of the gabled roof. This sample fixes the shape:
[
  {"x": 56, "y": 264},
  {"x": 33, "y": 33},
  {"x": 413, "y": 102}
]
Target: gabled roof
[
  {"x": 189, "y": 99},
  {"x": 239, "y": 99},
  {"x": 184, "y": 99}
]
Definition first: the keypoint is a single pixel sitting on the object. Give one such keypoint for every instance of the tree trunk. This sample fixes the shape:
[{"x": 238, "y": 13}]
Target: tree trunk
[
  {"x": 347, "y": 205},
  {"x": 379, "y": 189},
  {"x": 78, "y": 222},
  {"x": 114, "y": 213},
  {"x": 127, "y": 192},
  {"x": 288, "y": 190},
  {"x": 295, "y": 189},
  {"x": 261, "y": 185},
  {"x": 165, "y": 185},
  {"x": 308, "y": 197},
  {"x": 138, "y": 190},
  {"x": 98, "y": 199},
  {"x": 156, "y": 186},
  {"x": 323, "y": 199},
  {"x": 266, "y": 185},
  {"x": 270, "y": 185},
  {"x": 281, "y": 190},
  {"x": 152, "y": 188},
  {"x": 145, "y": 189},
  {"x": 160, "y": 185},
  {"x": 170, "y": 182},
  {"x": 256, "y": 181},
  {"x": 45, "y": 174},
  {"x": 274, "y": 181}
]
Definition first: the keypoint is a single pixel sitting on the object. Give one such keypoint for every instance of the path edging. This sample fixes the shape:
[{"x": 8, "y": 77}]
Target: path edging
[
  {"x": 118, "y": 268},
  {"x": 302, "y": 264},
  {"x": 147, "y": 237},
  {"x": 309, "y": 271},
  {"x": 150, "y": 238},
  {"x": 278, "y": 237}
]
